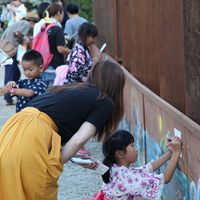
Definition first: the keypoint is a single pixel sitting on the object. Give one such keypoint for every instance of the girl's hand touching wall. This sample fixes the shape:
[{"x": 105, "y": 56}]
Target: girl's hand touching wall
[{"x": 174, "y": 144}]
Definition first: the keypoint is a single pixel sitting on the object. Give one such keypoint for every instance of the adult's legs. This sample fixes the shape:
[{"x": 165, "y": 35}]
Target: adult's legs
[
  {"x": 12, "y": 73},
  {"x": 48, "y": 75}
]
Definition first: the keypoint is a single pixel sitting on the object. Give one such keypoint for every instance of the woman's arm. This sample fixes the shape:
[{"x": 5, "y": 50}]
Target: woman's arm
[
  {"x": 63, "y": 50},
  {"x": 22, "y": 38},
  {"x": 85, "y": 132}
]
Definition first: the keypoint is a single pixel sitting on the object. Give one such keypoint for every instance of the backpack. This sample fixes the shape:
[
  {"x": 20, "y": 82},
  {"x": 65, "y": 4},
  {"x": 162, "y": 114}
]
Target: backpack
[
  {"x": 8, "y": 48},
  {"x": 41, "y": 44}
]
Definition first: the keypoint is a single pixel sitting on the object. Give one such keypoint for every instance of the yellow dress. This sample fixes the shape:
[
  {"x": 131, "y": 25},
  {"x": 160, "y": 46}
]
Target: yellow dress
[{"x": 30, "y": 160}]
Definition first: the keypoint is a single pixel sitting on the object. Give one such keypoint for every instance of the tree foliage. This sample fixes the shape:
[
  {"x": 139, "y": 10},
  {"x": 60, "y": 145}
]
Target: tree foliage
[{"x": 85, "y": 7}]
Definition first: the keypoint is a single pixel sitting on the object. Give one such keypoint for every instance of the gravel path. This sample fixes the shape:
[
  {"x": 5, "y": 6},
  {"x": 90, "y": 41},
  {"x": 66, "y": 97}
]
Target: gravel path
[{"x": 75, "y": 183}]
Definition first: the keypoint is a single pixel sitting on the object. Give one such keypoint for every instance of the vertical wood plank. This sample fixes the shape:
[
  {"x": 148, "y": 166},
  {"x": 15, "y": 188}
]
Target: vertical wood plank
[
  {"x": 144, "y": 43},
  {"x": 104, "y": 20},
  {"x": 125, "y": 34},
  {"x": 191, "y": 25},
  {"x": 99, "y": 21},
  {"x": 115, "y": 29},
  {"x": 172, "y": 76}
]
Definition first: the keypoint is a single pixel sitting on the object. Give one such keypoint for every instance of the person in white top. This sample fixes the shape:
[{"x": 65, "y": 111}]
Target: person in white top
[
  {"x": 20, "y": 10},
  {"x": 41, "y": 9}
]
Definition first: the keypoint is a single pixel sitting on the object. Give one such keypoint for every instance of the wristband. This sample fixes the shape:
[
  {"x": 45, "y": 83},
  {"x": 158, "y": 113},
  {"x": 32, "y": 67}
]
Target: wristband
[{"x": 12, "y": 91}]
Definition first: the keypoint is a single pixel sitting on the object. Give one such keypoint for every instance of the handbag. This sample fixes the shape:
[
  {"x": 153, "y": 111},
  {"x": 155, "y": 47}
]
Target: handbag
[{"x": 8, "y": 48}]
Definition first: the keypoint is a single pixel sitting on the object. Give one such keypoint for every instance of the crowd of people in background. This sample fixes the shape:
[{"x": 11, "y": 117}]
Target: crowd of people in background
[
  {"x": 77, "y": 96},
  {"x": 1, "y": 21},
  {"x": 62, "y": 37}
]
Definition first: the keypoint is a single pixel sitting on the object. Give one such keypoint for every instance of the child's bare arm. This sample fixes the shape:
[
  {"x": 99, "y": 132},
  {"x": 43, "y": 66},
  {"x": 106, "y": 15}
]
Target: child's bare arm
[
  {"x": 18, "y": 92},
  {"x": 4, "y": 90},
  {"x": 160, "y": 161},
  {"x": 169, "y": 171},
  {"x": 63, "y": 50},
  {"x": 24, "y": 92}
]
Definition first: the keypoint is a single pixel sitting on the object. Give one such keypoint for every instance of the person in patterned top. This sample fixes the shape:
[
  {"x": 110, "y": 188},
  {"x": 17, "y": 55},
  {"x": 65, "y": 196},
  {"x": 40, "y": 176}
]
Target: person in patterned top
[
  {"x": 125, "y": 182},
  {"x": 79, "y": 60},
  {"x": 27, "y": 89}
]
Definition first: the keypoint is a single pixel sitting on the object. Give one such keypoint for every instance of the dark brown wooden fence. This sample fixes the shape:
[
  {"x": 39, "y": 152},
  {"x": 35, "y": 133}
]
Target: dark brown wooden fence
[
  {"x": 152, "y": 120},
  {"x": 158, "y": 42}
]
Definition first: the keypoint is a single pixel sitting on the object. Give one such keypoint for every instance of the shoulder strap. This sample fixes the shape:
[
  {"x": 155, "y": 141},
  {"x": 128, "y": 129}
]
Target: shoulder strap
[
  {"x": 51, "y": 25},
  {"x": 48, "y": 27}
]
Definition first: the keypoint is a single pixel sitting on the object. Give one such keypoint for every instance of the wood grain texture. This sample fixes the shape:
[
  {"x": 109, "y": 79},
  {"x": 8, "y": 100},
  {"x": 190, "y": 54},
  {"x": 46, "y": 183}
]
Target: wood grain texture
[{"x": 191, "y": 25}]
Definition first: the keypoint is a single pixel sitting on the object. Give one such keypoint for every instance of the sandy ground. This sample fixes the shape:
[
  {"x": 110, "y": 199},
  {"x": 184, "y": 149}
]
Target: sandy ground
[{"x": 75, "y": 183}]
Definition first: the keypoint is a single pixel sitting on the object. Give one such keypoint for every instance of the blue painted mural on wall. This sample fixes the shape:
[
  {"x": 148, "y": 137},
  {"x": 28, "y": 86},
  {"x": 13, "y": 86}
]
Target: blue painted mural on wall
[{"x": 181, "y": 187}]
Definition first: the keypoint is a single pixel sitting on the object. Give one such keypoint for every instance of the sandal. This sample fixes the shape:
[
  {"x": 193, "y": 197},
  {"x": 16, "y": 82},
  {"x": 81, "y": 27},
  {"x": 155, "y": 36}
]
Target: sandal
[{"x": 10, "y": 103}]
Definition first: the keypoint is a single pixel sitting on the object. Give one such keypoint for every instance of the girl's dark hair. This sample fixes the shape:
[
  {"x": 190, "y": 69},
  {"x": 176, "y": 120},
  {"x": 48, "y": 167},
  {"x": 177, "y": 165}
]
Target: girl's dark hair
[
  {"x": 53, "y": 9},
  {"x": 109, "y": 78},
  {"x": 86, "y": 29},
  {"x": 41, "y": 8},
  {"x": 118, "y": 141}
]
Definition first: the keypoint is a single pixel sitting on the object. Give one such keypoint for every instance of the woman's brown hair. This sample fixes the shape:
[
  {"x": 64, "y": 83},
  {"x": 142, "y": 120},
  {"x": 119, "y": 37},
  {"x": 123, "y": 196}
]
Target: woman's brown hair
[
  {"x": 53, "y": 10},
  {"x": 109, "y": 78}
]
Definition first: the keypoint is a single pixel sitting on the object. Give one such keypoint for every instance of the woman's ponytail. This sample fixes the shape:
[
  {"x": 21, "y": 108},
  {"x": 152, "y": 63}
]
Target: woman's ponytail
[{"x": 52, "y": 10}]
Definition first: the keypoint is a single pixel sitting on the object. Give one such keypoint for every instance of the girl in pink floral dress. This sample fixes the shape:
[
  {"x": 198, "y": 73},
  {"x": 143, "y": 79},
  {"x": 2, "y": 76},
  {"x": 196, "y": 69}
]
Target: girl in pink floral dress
[
  {"x": 124, "y": 182},
  {"x": 79, "y": 60}
]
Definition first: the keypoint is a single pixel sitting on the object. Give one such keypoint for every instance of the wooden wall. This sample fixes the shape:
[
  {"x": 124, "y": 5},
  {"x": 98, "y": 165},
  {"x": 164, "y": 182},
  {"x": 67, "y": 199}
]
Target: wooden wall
[
  {"x": 152, "y": 120},
  {"x": 157, "y": 41},
  {"x": 191, "y": 29}
]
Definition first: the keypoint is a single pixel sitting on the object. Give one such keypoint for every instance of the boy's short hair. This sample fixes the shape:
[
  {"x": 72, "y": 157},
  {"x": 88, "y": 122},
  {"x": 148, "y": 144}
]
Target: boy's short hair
[
  {"x": 33, "y": 56},
  {"x": 72, "y": 8}
]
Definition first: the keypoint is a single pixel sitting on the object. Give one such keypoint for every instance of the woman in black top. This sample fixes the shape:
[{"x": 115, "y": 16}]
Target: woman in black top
[
  {"x": 69, "y": 115},
  {"x": 56, "y": 35},
  {"x": 62, "y": 3},
  {"x": 56, "y": 41}
]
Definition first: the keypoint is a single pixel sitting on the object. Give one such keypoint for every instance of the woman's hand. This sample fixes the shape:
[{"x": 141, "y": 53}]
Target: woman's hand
[
  {"x": 91, "y": 166},
  {"x": 26, "y": 40}
]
